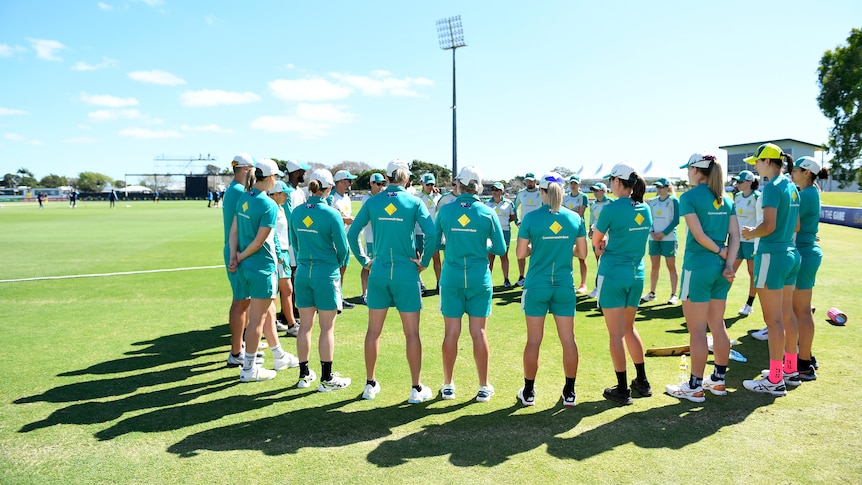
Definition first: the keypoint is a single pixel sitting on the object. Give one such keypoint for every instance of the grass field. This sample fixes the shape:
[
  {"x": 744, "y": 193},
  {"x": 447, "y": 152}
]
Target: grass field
[{"x": 121, "y": 379}]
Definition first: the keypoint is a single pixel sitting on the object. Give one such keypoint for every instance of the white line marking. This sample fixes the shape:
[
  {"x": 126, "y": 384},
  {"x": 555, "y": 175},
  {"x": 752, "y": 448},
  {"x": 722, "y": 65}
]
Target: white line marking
[{"x": 95, "y": 275}]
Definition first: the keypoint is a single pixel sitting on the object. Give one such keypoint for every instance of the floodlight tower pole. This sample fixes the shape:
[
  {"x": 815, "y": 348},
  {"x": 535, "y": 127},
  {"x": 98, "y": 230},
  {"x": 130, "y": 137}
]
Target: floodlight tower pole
[{"x": 451, "y": 36}]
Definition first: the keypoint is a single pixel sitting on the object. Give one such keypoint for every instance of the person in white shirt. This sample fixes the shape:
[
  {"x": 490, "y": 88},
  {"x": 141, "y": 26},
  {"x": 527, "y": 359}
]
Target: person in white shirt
[
  {"x": 601, "y": 200},
  {"x": 341, "y": 202},
  {"x": 662, "y": 238},
  {"x": 577, "y": 202},
  {"x": 528, "y": 200},
  {"x": 429, "y": 195},
  {"x": 749, "y": 212},
  {"x": 378, "y": 183},
  {"x": 506, "y": 214}
]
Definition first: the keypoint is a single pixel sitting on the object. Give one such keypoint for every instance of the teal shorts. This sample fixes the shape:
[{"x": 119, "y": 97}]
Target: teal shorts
[
  {"x": 254, "y": 284},
  {"x": 233, "y": 278},
  {"x": 663, "y": 248},
  {"x": 746, "y": 251},
  {"x": 617, "y": 293},
  {"x": 556, "y": 300},
  {"x": 346, "y": 259},
  {"x": 700, "y": 285},
  {"x": 321, "y": 293},
  {"x": 774, "y": 271},
  {"x": 404, "y": 295},
  {"x": 507, "y": 236},
  {"x": 474, "y": 301},
  {"x": 811, "y": 256}
]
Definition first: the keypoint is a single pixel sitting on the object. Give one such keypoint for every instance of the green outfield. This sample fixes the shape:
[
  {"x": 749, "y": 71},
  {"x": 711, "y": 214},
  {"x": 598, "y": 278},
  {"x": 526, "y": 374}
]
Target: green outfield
[{"x": 121, "y": 378}]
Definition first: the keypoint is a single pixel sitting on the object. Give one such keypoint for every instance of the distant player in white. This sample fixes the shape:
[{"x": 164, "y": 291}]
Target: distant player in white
[
  {"x": 528, "y": 200},
  {"x": 577, "y": 201},
  {"x": 341, "y": 202}
]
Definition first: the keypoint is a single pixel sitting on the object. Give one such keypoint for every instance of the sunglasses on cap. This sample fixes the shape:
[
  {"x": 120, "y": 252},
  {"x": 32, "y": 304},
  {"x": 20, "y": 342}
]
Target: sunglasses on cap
[{"x": 496, "y": 190}]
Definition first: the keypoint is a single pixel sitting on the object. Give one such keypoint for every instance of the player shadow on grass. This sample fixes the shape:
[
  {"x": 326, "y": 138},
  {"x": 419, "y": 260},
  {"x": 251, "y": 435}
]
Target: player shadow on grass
[
  {"x": 94, "y": 412},
  {"x": 506, "y": 296},
  {"x": 312, "y": 427},
  {"x": 485, "y": 439}
]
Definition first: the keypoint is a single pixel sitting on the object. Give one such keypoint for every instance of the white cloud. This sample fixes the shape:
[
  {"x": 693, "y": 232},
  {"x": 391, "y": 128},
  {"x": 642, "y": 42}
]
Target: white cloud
[
  {"x": 323, "y": 112},
  {"x": 381, "y": 82},
  {"x": 7, "y": 50},
  {"x": 83, "y": 66},
  {"x": 108, "y": 100},
  {"x": 47, "y": 49},
  {"x": 80, "y": 139},
  {"x": 10, "y": 111},
  {"x": 105, "y": 6},
  {"x": 153, "y": 3},
  {"x": 148, "y": 134},
  {"x": 208, "y": 129},
  {"x": 288, "y": 66},
  {"x": 212, "y": 20},
  {"x": 115, "y": 114},
  {"x": 14, "y": 137},
  {"x": 157, "y": 77},
  {"x": 314, "y": 89},
  {"x": 215, "y": 97},
  {"x": 35, "y": 142},
  {"x": 307, "y": 129}
]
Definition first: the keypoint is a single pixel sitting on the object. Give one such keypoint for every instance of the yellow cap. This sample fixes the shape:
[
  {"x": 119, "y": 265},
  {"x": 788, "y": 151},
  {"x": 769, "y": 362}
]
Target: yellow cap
[{"x": 767, "y": 150}]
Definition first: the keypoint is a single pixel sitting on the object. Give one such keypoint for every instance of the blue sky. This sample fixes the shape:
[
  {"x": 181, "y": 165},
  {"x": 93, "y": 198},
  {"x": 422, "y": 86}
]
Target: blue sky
[{"x": 107, "y": 86}]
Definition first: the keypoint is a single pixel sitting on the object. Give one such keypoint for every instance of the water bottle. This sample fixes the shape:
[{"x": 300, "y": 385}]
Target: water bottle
[{"x": 683, "y": 370}]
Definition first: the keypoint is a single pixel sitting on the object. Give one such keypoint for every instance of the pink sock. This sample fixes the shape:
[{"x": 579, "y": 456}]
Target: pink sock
[
  {"x": 774, "y": 371},
  {"x": 790, "y": 363}
]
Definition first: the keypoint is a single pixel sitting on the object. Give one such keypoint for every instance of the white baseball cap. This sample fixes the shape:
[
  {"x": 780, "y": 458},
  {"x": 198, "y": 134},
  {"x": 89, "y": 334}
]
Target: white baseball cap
[
  {"x": 397, "y": 164},
  {"x": 622, "y": 171},
  {"x": 343, "y": 175},
  {"x": 549, "y": 178},
  {"x": 242, "y": 160},
  {"x": 323, "y": 176},
  {"x": 808, "y": 163},
  {"x": 470, "y": 177},
  {"x": 699, "y": 160},
  {"x": 267, "y": 167},
  {"x": 294, "y": 165},
  {"x": 278, "y": 187}
]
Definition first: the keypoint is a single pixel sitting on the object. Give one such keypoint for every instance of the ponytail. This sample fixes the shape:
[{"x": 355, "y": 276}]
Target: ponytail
[
  {"x": 314, "y": 187},
  {"x": 755, "y": 184},
  {"x": 554, "y": 194},
  {"x": 638, "y": 186},
  {"x": 715, "y": 179},
  {"x": 787, "y": 161},
  {"x": 251, "y": 178}
]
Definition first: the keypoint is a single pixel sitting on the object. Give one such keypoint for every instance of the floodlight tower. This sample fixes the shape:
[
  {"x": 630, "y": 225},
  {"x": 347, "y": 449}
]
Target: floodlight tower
[{"x": 451, "y": 36}]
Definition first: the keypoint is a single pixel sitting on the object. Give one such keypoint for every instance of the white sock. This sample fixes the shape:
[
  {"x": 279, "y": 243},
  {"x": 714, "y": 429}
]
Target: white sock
[
  {"x": 277, "y": 352},
  {"x": 248, "y": 363}
]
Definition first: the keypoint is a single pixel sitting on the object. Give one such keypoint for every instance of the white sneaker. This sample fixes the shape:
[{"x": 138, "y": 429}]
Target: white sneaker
[
  {"x": 526, "y": 400},
  {"x": 305, "y": 381},
  {"x": 239, "y": 360},
  {"x": 292, "y": 331},
  {"x": 682, "y": 391},
  {"x": 582, "y": 290},
  {"x": 765, "y": 387},
  {"x": 485, "y": 393},
  {"x": 370, "y": 391},
  {"x": 762, "y": 334},
  {"x": 569, "y": 400},
  {"x": 423, "y": 394},
  {"x": 789, "y": 379},
  {"x": 717, "y": 387},
  {"x": 447, "y": 391},
  {"x": 520, "y": 281},
  {"x": 256, "y": 373},
  {"x": 673, "y": 300},
  {"x": 335, "y": 383},
  {"x": 593, "y": 293},
  {"x": 746, "y": 310},
  {"x": 286, "y": 361},
  {"x": 280, "y": 327},
  {"x": 648, "y": 297}
]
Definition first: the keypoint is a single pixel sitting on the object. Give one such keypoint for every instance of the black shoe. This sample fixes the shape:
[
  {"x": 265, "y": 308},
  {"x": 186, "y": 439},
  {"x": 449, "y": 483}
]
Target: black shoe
[
  {"x": 422, "y": 289},
  {"x": 346, "y": 304},
  {"x": 643, "y": 388},
  {"x": 617, "y": 395},
  {"x": 814, "y": 362}
]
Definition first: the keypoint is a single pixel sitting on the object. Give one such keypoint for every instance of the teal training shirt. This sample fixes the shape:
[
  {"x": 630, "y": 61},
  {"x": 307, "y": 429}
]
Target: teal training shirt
[
  {"x": 320, "y": 245},
  {"x": 809, "y": 217},
  {"x": 553, "y": 236},
  {"x": 232, "y": 194},
  {"x": 468, "y": 224},
  {"x": 627, "y": 225},
  {"x": 255, "y": 210},
  {"x": 393, "y": 213},
  {"x": 714, "y": 217},
  {"x": 781, "y": 194}
]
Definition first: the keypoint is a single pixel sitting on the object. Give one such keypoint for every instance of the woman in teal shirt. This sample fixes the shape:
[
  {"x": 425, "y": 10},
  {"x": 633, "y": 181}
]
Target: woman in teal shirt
[
  {"x": 317, "y": 236},
  {"x": 707, "y": 271},
  {"x": 805, "y": 172},
  {"x": 253, "y": 258},
  {"x": 465, "y": 281},
  {"x": 626, "y": 223},
  {"x": 776, "y": 266},
  {"x": 551, "y": 235}
]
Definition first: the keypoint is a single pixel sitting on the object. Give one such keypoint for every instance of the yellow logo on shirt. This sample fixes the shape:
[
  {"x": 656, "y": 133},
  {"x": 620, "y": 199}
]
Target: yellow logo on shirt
[
  {"x": 658, "y": 212},
  {"x": 307, "y": 221},
  {"x": 555, "y": 227},
  {"x": 716, "y": 204},
  {"x": 463, "y": 220},
  {"x": 639, "y": 219},
  {"x": 739, "y": 211},
  {"x": 390, "y": 209},
  {"x": 793, "y": 196},
  {"x": 245, "y": 206}
]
